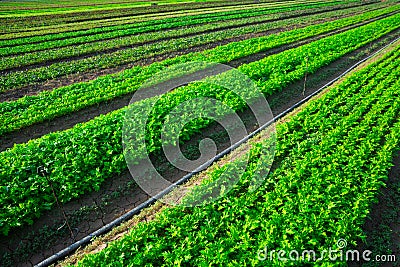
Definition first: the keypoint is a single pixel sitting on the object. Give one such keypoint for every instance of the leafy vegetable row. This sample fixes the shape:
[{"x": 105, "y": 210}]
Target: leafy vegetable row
[
  {"x": 21, "y": 45},
  {"x": 81, "y": 158},
  {"x": 59, "y": 14},
  {"x": 338, "y": 152},
  {"x": 179, "y": 37},
  {"x": 88, "y": 24},
  {"x": 47, "y": 105}
]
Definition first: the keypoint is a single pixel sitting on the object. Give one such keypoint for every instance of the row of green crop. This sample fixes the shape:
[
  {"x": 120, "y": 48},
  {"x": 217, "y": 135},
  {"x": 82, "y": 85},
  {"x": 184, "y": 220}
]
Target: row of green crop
[
  {"x": 218, "y": 28},
  {"x": 90, "y": 14},
  {"x": 30, "y": 76},
  {"x": 64, "y": 100},
  {"x": 81, "y": 158},
  {"x": 131, "y": 24},
  {"x": 338, "y": 151},
  {"x": 90, "y": 24},
  {"x": 132, "y": 29},
  {"x": 127, "y": 7},
  {"x": 89, "y": 8}
]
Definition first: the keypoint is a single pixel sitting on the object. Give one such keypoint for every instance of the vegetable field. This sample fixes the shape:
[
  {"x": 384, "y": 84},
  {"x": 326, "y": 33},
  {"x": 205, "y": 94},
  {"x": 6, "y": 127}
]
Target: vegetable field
[{"x": 322, "y": 177}]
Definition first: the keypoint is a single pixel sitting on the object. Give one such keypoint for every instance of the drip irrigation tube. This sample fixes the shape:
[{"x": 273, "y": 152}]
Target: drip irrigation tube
[{"x": 67, "y": 251}]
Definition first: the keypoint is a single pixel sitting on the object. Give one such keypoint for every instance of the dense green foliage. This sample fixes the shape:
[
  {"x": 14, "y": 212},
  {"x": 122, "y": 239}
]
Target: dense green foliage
[
  {"x": 81, "y": 158},
  {"x": 333, "y": 157}
]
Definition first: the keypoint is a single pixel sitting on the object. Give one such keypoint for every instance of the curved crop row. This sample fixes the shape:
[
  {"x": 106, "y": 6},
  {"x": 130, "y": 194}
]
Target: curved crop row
[{"x": 81, "y": 158}]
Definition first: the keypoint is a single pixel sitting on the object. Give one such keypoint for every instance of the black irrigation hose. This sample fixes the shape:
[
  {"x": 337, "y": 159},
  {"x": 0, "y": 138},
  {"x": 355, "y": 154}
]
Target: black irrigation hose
[{"x": 67, "y": 251}]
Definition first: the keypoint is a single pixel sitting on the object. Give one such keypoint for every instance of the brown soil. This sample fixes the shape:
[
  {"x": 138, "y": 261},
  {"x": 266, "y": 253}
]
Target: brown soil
[{"x": 31, "y": 244}]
